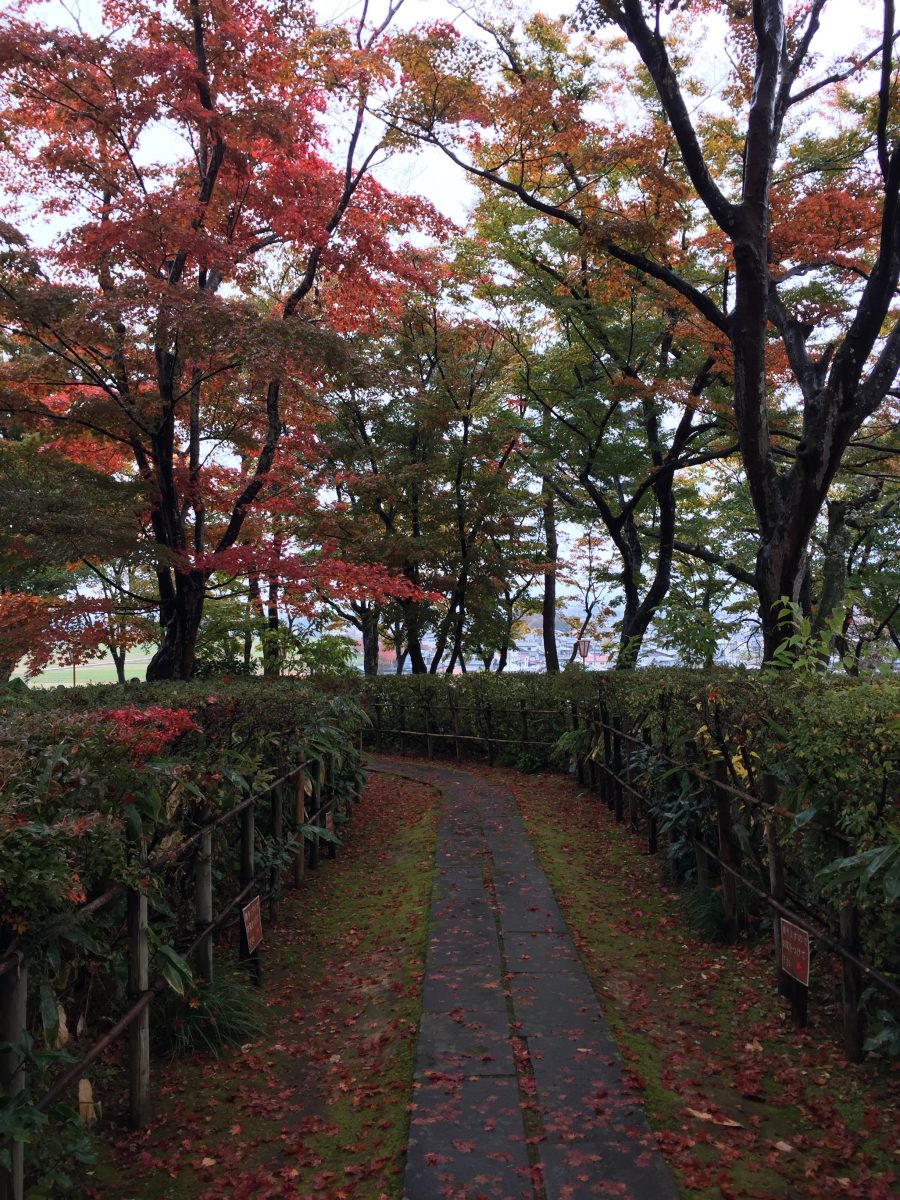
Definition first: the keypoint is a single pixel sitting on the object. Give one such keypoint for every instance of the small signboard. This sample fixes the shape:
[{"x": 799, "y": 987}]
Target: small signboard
[
  {"x": 252, "y": 924},
  {"x": 329, "y": 821},
  {"x": 795, "y": 952}
]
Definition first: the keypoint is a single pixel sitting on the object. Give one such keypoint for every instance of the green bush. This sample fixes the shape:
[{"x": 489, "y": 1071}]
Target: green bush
[{"x": 207, "y": 1017}]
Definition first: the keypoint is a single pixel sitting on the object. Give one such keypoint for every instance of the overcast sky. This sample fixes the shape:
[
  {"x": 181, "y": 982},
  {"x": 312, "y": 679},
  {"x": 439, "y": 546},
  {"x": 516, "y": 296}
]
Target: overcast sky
[{"x": 429, "y": 173}]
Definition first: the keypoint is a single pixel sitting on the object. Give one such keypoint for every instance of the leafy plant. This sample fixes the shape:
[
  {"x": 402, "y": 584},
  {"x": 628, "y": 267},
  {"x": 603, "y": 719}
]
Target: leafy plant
[
  {"x": 206, "y": 1017},
  {"x": 66, "y": 1146}
]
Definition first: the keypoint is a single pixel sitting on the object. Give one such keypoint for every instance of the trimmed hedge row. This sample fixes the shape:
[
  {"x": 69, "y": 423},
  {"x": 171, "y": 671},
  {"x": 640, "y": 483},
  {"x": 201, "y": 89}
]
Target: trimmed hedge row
[
  {"x": 81, "y": 768},
  {"x": 110, "y": 800},
  {"x": 824, "y": 750}
]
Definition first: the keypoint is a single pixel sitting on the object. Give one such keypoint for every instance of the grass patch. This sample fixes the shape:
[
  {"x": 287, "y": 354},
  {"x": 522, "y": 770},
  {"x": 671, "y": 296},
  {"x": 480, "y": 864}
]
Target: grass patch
[
  {"x": 319, "y": 1106},
  {"x": 774, "y": 1111}
]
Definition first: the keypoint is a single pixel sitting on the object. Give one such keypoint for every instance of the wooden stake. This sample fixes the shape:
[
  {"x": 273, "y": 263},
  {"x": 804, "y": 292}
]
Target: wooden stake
[
  {"x": 277, "y": 813},
  {"x": 455, "y": 715},
  {"x": 299, "y": 807},
  {"x": 728, "y": 849},
  {"x": 13, "y": 993},
  {"x": 203, "y": 898},
  {"x": 248, "y": 957},
  {"x": 777, "y": 888},
  {"x": 852, "y": 984},
  {"x": 138, "y": 983}
]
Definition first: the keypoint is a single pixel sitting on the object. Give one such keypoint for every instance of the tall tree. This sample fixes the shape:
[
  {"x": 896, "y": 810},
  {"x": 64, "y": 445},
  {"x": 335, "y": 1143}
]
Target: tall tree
[
  {"x": 793, "y": 256},
  {"x": 423, "y": 446},
  {"x": 184, "y": 151}
]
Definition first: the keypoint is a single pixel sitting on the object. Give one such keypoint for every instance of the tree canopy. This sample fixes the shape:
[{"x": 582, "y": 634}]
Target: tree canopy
[{"x": 275, "y": 385}]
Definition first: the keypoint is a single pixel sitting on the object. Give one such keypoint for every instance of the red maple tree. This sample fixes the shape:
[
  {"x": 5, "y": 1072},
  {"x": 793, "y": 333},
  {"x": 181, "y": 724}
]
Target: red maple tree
[{"x": 204, "y": 169}]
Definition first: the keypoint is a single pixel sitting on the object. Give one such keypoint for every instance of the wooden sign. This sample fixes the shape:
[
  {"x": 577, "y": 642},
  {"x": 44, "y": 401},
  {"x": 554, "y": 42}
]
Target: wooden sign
[
  {"x": 329, "y": 821},
  {"x": 795, "y": 952},
  {"x": 252, "y": 924}
]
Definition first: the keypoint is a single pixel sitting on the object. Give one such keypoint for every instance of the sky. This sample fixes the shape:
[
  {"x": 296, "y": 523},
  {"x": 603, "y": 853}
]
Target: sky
[{"x": 429, "y": 172}]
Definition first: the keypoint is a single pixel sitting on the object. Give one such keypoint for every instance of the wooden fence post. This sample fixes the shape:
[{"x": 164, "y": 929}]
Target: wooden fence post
[
  {"x": 329, "y": 787},
  {"x": 579, "y": 761},
  {"x": 728, "y": 849},
  {"x": 652, "y": 827},
  {"x": 378, "y": 707},
  {"x": 607, "y": 790},
  {"x": 299, "y": 820},
  {"x": 618, "y": 793},
  {"x": 634, "y": 815},
  {"x": 489, "y": 725},
  {"x": 315, "y": 816},
  {"x": 454, "y": 713},
  {"x": 203, "y": 905},
  {"x": 402, "y": 728},
  {"x": 777, "y": 888},
  {"x": 277, "y": 814},
  {"x": 13, "y": 994},
  {"x": 852, "y": 983},
  {"x": 525, "y": 736},
  {"x": 425, "y": 716},
  {"x": 248, "y": 870},
  {"x": 138, "y": 983}
]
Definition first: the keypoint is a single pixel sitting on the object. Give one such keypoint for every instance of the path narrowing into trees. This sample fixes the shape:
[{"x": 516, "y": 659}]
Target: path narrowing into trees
[{"x": 519, "y": 1092}]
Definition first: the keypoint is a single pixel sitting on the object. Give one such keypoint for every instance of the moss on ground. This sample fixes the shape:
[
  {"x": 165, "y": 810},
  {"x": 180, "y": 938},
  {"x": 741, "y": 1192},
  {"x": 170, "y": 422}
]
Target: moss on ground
[
  {"x": 319, "y": 1106},
  {"x": 744, "y": 1105}
]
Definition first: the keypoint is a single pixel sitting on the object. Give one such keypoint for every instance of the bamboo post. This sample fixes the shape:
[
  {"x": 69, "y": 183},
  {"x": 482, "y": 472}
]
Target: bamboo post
[
  {"x": 299, "y": 814},
  {"x": 138, "y": 983},
  {"x": 402, "y": 728},
  {"x": 203, "y": 905},
  {"x": 248, "y": 869},
  {"x": 525, "y": 734},
  {"x": 378, "y": 725},
  {"x": 13, "y": 994},
  {"x": 852, "y": 983},
  {"x": 277, "y": 815},
  {"x": 728, "y": 849},
  {"x": 489, "y": 726}
]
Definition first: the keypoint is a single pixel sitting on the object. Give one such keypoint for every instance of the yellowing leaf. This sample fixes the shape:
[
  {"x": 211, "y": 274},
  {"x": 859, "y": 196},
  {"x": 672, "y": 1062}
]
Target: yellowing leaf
[{"x": 707, "y": 1116}]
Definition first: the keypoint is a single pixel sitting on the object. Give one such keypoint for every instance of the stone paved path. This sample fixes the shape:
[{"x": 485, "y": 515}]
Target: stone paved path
[{"x": 519, "y": 1092}]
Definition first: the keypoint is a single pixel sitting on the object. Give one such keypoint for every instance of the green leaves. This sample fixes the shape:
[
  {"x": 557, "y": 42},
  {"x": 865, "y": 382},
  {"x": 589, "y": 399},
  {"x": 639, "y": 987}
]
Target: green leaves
[
  {"x": 176, "y": 972},
  {"x": 865, "y": 866}
]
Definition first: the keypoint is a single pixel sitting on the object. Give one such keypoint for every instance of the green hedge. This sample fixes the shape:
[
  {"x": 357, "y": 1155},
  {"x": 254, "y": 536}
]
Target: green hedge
[
  {"x": 80, "y": 768},
  {"x": 829, "y": 747}
]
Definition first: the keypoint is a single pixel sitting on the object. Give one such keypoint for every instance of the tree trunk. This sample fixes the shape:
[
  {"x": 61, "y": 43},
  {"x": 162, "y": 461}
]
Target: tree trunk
[
  {"x": 253, "y": 606},
  {"x": 369, "y": 628},
  {"x": 175, "y": 657},
  {"x": 118, "y": 657},
  {"x": 548, "y": 607},
  {"x": 413, "y": 637},
  {"x": 272, "y": 641}
]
